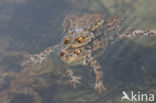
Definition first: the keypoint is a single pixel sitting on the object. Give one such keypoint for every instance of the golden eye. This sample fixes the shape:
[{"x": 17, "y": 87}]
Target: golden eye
[
  {"x": 66, "y": 41},
  {"x": 77, "y": 52},
  {"x": 79, "y": 39},
  {"x": 61, "y": 53}
]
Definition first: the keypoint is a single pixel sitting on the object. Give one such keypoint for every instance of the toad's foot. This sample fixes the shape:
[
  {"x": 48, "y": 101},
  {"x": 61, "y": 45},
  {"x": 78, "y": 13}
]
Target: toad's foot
[
  {"x": 100, "y": 87},
  {"x": 73, "y": 79},
  {"x": 99, "y": 74}
]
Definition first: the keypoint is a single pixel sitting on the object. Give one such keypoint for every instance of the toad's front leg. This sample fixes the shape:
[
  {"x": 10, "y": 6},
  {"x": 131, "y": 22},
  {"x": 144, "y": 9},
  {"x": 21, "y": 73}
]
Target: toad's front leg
[
  {"x": 73, "y": 80},
  {"x": 99, "y": 74},
  {"x": 40, "y": 57}
]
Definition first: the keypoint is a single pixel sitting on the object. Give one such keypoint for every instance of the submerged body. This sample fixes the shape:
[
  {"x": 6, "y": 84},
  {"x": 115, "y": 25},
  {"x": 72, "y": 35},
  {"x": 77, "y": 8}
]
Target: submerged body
[
  {"x": 81, "y": 34},
  {"x": 85, "y": 37},
  {"x": 74, "y": 50}
]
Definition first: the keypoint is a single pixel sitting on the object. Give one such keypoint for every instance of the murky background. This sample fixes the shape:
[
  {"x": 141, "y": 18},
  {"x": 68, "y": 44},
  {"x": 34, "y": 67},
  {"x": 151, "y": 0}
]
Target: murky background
[{"x": 30, "y": 26}]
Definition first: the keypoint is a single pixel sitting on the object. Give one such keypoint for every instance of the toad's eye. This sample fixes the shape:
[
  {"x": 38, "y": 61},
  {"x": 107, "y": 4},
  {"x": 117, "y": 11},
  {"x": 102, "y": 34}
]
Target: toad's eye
[
  {"x": 66, "y": 41},
  {"x": 79, "y": 39},
  {"x": 62, "y": 53},
  {"x": 77, "y": 52}
]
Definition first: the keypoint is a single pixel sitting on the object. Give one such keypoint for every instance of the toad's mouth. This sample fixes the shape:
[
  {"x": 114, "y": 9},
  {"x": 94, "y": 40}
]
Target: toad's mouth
[
  {"x": 72, "y": 60},
  {"x": 73, "y": 56}
]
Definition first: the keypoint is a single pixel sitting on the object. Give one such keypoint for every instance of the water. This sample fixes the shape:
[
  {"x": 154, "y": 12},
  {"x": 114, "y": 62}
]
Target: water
[{"x": 30, "y": 26}]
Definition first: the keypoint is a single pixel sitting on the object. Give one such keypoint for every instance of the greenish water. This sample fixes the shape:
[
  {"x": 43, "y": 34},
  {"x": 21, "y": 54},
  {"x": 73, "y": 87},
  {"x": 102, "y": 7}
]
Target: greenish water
[{"x": 30, "y": 26}]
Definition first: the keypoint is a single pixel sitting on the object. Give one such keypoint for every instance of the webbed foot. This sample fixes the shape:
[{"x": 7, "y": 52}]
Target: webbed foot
[
  {"x": 75, "y": 80},
  {"x": 100, "y": 87}
]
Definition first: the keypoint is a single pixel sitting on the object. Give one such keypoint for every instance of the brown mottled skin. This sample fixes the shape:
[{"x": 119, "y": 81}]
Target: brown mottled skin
[
  {"x": 87, "y": 54},
  {"x": 81, "y": 43},
  {"x": 37, "y": 77},
  {"x": 82, "y": 30}
]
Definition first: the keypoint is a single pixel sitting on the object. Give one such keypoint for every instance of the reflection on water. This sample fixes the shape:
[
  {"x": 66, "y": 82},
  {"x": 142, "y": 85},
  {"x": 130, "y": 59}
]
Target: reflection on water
[{"x": 29, "y": 26}]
